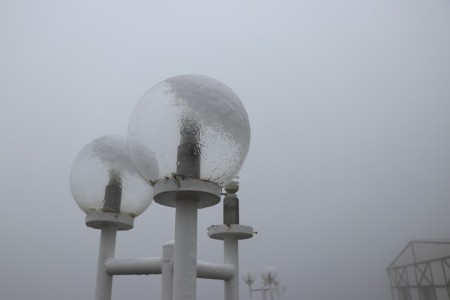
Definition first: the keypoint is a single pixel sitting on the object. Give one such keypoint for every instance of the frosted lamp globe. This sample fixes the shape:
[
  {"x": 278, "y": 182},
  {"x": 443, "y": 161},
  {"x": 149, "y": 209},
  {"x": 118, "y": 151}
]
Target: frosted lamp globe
[
  {"x": 269, "y": 274},
  {"x": 249, "y": 277},
  {"x": 195, "y": 127},
  {"x": 103, "y": 179}
]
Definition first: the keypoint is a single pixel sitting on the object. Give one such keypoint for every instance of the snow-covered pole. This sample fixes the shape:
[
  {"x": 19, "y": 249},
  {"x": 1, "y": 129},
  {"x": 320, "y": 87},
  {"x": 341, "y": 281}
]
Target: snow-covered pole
[
  {"x": 263, "y": 293},
  {"x": 269, "y": 276},
  {"x": 185, "y": 251},
  {"x": 167, "y": 271},
  {"x": 190, "y": 167},
  {"x": 187, "y": 195},
  {"x": 231, "y": 256},
  {"x": 107, "y": 249},
  {"x": 185, "y": 254},
  {"x": 231, "y": 232},
  {"x": 230, "y": 242},
  {"x": 134, "y": 266}
]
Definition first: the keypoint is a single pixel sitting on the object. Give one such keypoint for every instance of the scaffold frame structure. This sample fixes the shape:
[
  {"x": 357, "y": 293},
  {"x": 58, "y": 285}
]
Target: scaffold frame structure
[{"x": 421, "y": 271}]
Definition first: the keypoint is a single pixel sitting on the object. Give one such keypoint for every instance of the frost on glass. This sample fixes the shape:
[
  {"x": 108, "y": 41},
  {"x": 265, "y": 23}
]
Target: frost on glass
[
  {"x": 191, "y": 109},
  {"x": 105, "y": 161}
]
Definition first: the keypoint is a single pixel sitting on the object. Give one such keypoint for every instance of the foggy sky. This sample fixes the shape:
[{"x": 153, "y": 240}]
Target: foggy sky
[{"x": 349, "y": 105}]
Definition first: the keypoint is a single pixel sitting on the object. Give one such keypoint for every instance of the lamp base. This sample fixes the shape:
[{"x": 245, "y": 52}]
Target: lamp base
[
  {"x": 240, "y": 232},
  {"x": 167, "y": 191},
  {"x": 100, "y": 219}
]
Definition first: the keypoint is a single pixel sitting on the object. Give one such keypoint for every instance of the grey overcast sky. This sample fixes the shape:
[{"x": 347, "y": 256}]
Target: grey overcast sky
[{"x": 349, "y": 104}]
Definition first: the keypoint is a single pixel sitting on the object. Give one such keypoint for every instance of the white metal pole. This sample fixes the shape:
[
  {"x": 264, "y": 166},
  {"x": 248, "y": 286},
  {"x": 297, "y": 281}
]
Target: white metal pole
[
  {"x": 231, "y": 256},
  {"x": 107, "y": 249},
  {"x": 185, "y": 253},
  {"x": 134, "y": 266},
  {"x": 271, "y": 293},
  {"x": 263, "y": 293},
  {"x": 167, "y": 272}
]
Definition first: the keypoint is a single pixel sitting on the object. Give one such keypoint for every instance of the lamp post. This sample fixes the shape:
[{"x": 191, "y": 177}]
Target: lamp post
[
  {"x": 269, "y": 276},
  {"x": 107, "y": 187},
  {"x": 249, "y": 278},
  {"x": 231, "y": 232},
  {"x": 187, "y": 138},
  {"x": 271, "y": 283},
  {"x": 198, "y": 130}
]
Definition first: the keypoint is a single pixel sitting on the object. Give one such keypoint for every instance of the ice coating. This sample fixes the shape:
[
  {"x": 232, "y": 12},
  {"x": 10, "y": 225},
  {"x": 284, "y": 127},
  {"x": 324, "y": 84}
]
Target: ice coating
[
  {"x": 147, "y": 166},
  {"x": 209, "y": 109},
  {"x": 212, "y": 102},
  {"x": 96, "y": 165},
  {"x": 112, "y": 152}
]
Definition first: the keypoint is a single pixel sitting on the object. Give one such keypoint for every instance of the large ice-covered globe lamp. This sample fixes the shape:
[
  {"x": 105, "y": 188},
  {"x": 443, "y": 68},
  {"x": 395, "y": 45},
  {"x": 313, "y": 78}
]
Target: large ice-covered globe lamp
[
  {"x": 198, "y": 131},
  {"x": 106, "y": 185},
  {"x": 195, "y": 126}
]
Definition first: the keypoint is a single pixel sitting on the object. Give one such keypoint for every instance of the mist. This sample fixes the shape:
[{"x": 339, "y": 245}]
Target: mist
[{"x": 349, "y": 108}]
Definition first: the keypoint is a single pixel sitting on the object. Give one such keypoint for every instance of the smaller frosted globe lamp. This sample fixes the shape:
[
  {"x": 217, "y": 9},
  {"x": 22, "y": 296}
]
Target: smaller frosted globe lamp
[
  {"x": 106, "y": 185},
  {"x": 197, "y": 130},
  {"x": 269, "y": 275},
  {"x": 249, "y": 277}
]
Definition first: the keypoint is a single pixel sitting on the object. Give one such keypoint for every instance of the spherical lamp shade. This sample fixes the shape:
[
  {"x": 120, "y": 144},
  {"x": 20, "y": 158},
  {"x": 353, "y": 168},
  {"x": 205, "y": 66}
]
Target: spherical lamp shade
[
  {"x": 269, "y": 274},
  {"x": 195, "y": 126},
  {"x": 103, "y": 179},
  {"x": 249, "y": 277}
]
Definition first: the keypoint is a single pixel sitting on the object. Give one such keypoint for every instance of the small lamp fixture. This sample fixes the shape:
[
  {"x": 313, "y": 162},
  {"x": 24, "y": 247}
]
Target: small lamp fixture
[
  {"x": 106, "y": 185},
  {"x": 269, "y": 275},
  {"x": 249, "y": 278}
]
